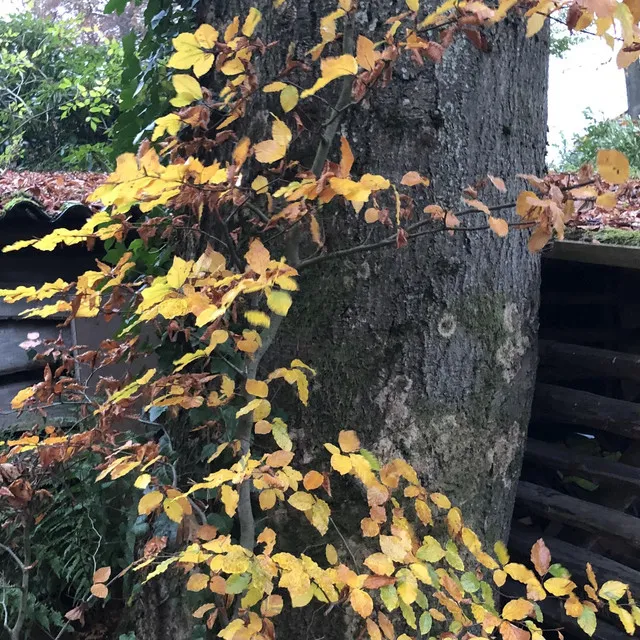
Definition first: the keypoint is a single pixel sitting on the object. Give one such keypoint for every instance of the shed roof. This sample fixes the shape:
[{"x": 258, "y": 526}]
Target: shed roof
[{"x": 47, "y": 197}]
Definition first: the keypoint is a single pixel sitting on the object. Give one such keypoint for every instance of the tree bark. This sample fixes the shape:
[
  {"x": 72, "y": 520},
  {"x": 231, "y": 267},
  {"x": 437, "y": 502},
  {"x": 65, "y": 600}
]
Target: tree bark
[{"x": 427, "y": 351}]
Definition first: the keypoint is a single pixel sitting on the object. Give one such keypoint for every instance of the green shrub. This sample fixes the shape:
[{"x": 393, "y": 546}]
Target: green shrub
[{"x": 58, "y": 97}]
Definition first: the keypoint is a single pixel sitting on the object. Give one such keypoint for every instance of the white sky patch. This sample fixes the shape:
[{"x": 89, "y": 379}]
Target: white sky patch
[{"x": 586, "y": 78}]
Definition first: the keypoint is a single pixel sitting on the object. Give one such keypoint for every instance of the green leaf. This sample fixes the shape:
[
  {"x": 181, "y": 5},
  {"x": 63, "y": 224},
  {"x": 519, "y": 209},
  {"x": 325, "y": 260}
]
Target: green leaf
[
  {"x": 587, "y": 621},
  {"x": 426, "y": 622},
  {"x": 389, "y": 597},
  {"x": 374, "y": 463},
  {"x": 421, "y": 600},
  {"x": 408, "y": 614},
  {"x": 238, "y": 582},
  {"x": 558, "y": 571},
  {"x": 469, "y": 582}
]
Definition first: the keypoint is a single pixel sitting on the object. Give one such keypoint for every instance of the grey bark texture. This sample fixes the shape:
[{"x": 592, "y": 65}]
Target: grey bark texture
[{"x": 427, "y": 351}]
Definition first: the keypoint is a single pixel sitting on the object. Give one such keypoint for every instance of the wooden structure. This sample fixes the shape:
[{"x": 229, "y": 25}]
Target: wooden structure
[
  {"x": 580, "y": 483},
  {"x": 25, "y": 219}
]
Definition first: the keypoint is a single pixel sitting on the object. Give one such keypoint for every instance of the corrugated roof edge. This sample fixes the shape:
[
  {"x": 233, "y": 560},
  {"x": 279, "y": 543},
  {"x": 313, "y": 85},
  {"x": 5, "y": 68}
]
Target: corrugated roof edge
[{"x": 70, "y": 213}]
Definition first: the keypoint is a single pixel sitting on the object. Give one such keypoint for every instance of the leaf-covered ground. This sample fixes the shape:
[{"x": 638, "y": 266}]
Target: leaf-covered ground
[{"x": 52, "y": 190}]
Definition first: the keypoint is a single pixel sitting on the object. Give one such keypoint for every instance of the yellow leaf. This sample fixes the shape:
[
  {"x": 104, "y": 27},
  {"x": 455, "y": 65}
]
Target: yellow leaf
[
  {"x": 613, "y": 166},
  {"x": 260, "y": 185},
  {"x": 348, "y": 441},
  {"x": 257, "y": 388},
  {"x": 361, "y": 602},
  {"x": 431, "y": 550},
  {"x": 517, "y": 609},
  {"x": 99, "y": 591},
  {"x": 331, "y": 554},
  {"x": 607, "y": 200},
  {"x": 269, "y": 151},
  {"x": 142, "y": 481},
  {"x": 267, "y": 499},
  {"x": 274, "y": 87},
  {"x": 257, "y": 257},
  {"x": 414, "y": 5},
  {"x": 499, "y": 577},
  {"x": 501, "y": 552},
  {"x": 250, "y": 24},
  {"x": 440, "y": 500},
  {"x": 289, "y": 98},
  {"x": 424, "y": 512},
  {"x": 21, "y": 397},
  {"x": 188, "y": 90},
  {"x": 173, "y": 510},
  {"x": 197, "y": 582},
  {"x": 312, "y": 480},
  {"x": 301, "y": 501},
  {"x": 559, "y": 586},
  {"x": 230, "y": 499},
  {"x": 149, "y": 502},
  {"x": 611, "y": 590},
  {"x": 380, "y": 564},
  {"x": 341, "y": 463},
  {"x": 454, "y": 522},
  {"x": 625, "y": 617},
  {"x": 279, "y": 302},
  {"x": 395, "y": 548},
  {"x": 258, "y": 318},
  {"x": 365, "y": 53},
  {"x": 499, "y": 226},
  {"x": 331, "y": 69}
]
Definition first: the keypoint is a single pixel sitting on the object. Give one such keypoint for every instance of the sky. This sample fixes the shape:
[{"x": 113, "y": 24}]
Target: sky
[{"x": 586, "y": 78}]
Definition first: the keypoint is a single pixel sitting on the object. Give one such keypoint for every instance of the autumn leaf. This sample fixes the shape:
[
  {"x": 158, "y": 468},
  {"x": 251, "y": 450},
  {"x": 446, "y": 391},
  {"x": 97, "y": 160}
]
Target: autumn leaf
[
  {"x": 380, "y": 563},
  {"x": 197, "y": 582},
  {"x": 366, "y": 54},
  {"x": 187, "y": 88},
  {"x": 509, "y": 631},
  {"x": 312, "y": 480},
  {"x": 373, "y": 630},
  {"x": 331, "y": 69},
  {"x": 230, "y": 499},
  {"x": 289, "y": 98},
  {"x": 301, "y": 501},
  {"x": 498, "y": 183},
  {"x": 279, "y": 302},
  {"x": 173, "y": 510},
  {"x": 331, "y": 554},
  {"x": 518, "y": 609},
  {"x": 587, "y": 621},
  {"x": 251, "y": 22},
  {"x": 348, "y": 441},
  {"x": 540, "y": 557},
  {"x": 99, "y": 590},
  {"x": 149, "y": 502},
  {"x": 613, "y": 166},
  {"x": 559, "y": 586},
  {"x": 142, "y": 481},
  {"x": 102, "y": 575},
  {"x": 257, "y": 388},
  {"x": 612, "y": 590},
  {"x": 499, "y": 226},
  {"x": 361, "y": 602},
  {"x": 272, "y": 606}
]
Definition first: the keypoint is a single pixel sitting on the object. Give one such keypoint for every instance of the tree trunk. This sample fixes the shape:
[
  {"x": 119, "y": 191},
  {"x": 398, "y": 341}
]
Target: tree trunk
[{"x": 429, "y": 351}]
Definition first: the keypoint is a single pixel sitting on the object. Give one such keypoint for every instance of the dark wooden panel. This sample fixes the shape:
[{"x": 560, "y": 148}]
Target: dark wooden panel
[
  {"x": 581, "y": 408},
  {"x": 587, "y": 516},
  {"x": 557, "y": 456},
  {"x": 574, "y": 558},
  {"x": 12, "y": 333},
  {"x": 574, "y": 361}
]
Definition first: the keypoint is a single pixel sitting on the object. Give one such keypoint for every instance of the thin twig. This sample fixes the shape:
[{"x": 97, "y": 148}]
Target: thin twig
[{"x": 346, "y": 544}]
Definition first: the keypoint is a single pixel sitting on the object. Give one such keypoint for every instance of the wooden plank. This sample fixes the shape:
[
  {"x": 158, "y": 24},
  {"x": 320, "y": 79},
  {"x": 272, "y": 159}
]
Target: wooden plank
[
  {"x": 584, "y": 515},
  {"x": 14, "y": 358},
  {"x": 577, "y": 361},
  {"x": 581, "y": 408},
  {"x": 574, "y": 558},
  {"x": 557, "y": 456},
  {"x": 591, "y": 253}
]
